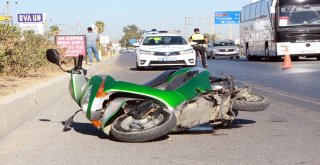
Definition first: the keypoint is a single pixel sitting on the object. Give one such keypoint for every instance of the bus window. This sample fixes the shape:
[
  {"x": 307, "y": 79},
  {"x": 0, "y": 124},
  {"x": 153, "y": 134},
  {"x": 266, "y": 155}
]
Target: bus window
[
  {"x": 253, "y": 11},
  {"x": 264, "y": 9},
  {"x": 247, "y": 13},
  {"x": 258, "y": 10},
  {"x": 242, "y": 14}
]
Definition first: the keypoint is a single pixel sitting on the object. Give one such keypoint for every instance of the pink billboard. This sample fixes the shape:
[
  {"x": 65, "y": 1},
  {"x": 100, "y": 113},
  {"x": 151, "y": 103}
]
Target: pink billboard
[{"x": 74, "y": 44}]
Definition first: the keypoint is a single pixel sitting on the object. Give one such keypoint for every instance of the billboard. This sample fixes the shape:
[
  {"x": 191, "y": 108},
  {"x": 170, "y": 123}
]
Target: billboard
[
  {"x": 74, "y": 44},
  {"x": 37, "y": 17},
  {"x": 35, "y": 27},
  {"x": 5, "y": 18},
  {"x": 227, "y": 17}
]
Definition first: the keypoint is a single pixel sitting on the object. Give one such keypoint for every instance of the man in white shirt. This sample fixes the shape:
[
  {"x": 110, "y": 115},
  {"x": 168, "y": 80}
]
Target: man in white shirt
[{"x": 92, "y": 38}]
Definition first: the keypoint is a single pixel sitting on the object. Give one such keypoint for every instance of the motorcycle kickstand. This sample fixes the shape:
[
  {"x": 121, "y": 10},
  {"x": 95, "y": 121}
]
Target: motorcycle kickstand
[{"x": 69, "y": 121}]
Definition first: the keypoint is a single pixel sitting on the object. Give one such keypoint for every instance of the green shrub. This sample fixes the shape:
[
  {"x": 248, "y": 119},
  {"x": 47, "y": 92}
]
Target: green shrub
[{"x": 20, "y": 52}]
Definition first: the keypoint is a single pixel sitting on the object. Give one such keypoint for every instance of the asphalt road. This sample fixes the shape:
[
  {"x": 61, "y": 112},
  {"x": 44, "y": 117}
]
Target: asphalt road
[{"x": 287, "y": 132}]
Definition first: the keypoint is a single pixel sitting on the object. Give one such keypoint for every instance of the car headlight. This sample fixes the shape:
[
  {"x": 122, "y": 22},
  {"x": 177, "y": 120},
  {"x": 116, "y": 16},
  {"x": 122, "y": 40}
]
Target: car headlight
[
  {"x": 215, "y": 50},
  {"x": 237, "y": 49},
  {"x": 189, "y": 51},
  {"x": 146, "y": 52}
]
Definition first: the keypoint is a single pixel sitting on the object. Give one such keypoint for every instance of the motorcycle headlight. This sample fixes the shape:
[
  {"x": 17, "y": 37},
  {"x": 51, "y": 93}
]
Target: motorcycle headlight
[
  {"x": 85, "y": 99},
  {"x": 189, "y": 51},
  {"x": 146, "y": 52}
]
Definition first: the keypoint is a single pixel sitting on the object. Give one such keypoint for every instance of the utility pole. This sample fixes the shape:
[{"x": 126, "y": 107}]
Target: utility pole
[
  {"x": 7, "y": 11},
  {"x": 230, "y": 31},
  {"x": 185, "y": 26}
]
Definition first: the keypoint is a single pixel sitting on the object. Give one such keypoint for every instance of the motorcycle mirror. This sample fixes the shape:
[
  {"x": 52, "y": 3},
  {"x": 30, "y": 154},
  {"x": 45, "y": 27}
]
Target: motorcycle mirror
[{"x": 53, "y": 56}]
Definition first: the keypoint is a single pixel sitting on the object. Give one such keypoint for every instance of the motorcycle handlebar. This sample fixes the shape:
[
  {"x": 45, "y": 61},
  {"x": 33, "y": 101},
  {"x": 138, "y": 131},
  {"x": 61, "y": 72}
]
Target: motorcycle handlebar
[{"x": 80, "y": 59}]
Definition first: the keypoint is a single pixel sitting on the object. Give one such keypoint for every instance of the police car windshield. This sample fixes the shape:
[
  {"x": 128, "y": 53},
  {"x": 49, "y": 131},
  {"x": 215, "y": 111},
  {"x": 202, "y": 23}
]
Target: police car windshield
[{"x": 164, "y": 40}]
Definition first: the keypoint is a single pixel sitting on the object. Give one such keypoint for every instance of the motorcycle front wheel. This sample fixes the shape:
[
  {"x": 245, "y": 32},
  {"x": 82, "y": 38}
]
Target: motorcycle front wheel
[
  {"x": 253, "y": 102},
  {"x": 128, "y": 129}
]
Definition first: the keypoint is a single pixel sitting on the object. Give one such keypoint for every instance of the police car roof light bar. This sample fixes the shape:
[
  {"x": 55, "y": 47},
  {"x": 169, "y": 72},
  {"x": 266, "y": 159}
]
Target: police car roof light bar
[{"x": 154, "y": 31}]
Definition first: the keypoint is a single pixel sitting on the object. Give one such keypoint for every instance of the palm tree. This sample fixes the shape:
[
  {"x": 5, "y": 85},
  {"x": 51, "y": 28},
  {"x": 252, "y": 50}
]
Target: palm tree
[
  {"x": 131, "y": 32},
  {"x": 100, "y": 26},
  {"x": 54, "y": 30}
]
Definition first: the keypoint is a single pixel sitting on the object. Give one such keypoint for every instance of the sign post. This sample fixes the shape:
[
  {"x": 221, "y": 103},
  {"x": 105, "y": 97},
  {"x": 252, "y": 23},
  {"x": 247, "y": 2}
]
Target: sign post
[
  {"x": 32, "y": 21},
  {"x": 74, "y": 44},
  {"x": 227, "y": 17}
]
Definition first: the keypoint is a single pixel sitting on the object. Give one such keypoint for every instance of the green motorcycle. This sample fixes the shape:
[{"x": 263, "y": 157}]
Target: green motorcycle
[{"x": 176, "y": 100}]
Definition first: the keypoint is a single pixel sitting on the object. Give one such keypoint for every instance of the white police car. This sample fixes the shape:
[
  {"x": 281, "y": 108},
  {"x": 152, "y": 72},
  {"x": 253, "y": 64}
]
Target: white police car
[{"x": 164, "y": 48}]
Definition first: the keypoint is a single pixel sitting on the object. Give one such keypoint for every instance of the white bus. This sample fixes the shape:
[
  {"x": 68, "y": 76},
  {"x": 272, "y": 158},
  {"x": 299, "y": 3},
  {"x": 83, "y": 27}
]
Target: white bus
[{"x": 268, "y": 27}]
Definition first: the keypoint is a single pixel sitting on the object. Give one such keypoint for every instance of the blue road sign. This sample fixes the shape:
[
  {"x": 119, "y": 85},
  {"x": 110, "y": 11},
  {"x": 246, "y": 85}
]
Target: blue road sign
[
  {"x": 227, "y": 17},
  {"x": 31, "y": 17},
  {"x": 132, "y": 41}
]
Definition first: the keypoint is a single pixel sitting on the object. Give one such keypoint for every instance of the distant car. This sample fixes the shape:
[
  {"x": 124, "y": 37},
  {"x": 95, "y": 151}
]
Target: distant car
[
  {"x": 164, "y": 48},
  {"x": 225, "y": 48},
  {"x": 130, "y": 50}
]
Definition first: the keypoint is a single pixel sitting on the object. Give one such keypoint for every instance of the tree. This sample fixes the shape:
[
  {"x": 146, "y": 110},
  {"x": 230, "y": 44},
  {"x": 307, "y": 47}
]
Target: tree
[
  {"x": 130, "y": 32},
  {"x": 211, "y": 37},
  {"x": 54, "y": 30},
  {"x": 100, "y": 26}
]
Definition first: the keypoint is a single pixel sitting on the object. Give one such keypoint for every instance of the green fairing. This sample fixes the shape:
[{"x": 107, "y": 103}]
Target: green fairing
[
  {"x": 172, "y": 98},
  {"x": 95, "y": 81},
  {"x": 191, "y": 88}
]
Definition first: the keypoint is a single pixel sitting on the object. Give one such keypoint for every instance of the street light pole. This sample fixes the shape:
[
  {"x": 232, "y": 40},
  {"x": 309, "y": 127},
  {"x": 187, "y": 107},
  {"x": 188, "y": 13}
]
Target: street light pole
[
  {"x": 7, "y": 13},
  {"x": 185, "y": 26}
]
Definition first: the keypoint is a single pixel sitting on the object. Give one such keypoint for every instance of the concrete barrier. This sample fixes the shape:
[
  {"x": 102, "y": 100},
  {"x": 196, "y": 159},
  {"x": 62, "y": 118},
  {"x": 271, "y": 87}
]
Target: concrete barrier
[{"x": 17, "y": 108}]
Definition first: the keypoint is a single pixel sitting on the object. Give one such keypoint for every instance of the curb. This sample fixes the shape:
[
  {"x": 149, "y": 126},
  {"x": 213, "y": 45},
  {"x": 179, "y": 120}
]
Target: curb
[{"x": 17, "y": 108}]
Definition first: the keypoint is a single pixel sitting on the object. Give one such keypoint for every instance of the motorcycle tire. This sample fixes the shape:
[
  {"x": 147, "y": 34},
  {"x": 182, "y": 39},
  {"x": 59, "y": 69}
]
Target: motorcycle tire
[
  {"x": 259, "y": 104},
  {"x": 121, "y": 131}
]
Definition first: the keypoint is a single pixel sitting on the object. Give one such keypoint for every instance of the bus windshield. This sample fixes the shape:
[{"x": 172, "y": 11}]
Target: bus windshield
[{"x": 299, "y": 15}]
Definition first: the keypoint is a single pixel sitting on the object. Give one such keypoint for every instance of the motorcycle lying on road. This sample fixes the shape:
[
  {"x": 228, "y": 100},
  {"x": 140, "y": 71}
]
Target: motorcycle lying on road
[{"x": 175, "y": 100}]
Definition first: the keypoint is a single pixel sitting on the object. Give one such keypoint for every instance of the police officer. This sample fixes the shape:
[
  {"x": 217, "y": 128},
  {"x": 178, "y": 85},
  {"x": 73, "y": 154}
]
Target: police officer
[{"x": 201, "y": 41}]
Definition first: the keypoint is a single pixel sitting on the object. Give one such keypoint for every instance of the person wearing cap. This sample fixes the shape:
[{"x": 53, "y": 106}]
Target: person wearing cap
[{"x": 201, "y": 41}]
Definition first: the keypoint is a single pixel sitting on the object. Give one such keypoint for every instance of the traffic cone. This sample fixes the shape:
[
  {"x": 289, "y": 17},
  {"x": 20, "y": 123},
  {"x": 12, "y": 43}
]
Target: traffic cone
[{"x": 287, "y": 60}]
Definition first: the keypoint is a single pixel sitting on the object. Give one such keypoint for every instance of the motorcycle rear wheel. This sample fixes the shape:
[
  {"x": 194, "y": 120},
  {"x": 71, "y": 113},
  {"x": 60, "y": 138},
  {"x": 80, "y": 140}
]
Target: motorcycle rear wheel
[
  {"x": 152, "y": 128},
  {"x": 254, "y": 103}
]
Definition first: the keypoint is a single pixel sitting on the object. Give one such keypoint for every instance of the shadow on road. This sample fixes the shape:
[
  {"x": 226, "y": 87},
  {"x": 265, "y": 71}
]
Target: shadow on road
[
  {"x": 89, "y": 129},
  {"x": 205, "y": 128}
]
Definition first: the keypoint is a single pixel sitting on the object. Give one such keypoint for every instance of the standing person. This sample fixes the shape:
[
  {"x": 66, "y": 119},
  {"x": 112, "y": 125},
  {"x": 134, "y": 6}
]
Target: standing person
[
  {"x": 201, "y": 41},
  {"x": 92, "y": 38}
]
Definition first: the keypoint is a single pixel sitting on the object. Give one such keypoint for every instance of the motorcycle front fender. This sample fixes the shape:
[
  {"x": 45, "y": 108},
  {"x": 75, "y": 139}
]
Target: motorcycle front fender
[{"x": 112, "y": 109}]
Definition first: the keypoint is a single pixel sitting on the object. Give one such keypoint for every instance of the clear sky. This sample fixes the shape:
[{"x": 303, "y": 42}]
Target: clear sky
[{"x": 116, "y": 14}]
